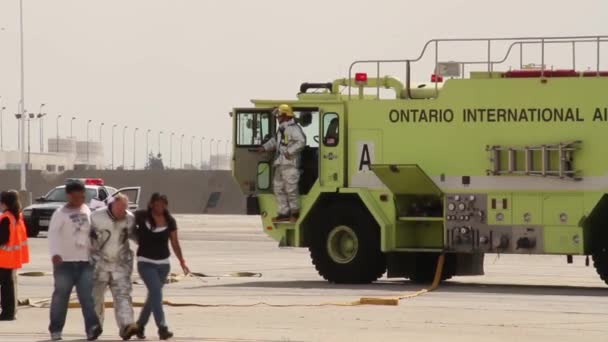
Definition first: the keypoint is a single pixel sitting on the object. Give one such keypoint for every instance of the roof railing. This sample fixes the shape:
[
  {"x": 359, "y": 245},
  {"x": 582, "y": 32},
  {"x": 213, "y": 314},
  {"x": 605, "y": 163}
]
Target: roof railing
[{"x": 489, "y": 62}]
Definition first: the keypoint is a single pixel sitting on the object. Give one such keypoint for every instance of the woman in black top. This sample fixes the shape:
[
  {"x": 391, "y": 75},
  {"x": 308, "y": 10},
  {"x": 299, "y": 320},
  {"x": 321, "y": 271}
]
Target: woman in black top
[{"x": 155, "y": 227}]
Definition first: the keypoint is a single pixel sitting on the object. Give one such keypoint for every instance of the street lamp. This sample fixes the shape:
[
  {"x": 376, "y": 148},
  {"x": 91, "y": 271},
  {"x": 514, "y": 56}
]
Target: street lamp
[
  {"x": 134, "y": 145},
  {"x": 31, "y": 116},
  {"x": 40, "y": 117},
  {"x": 41, "y": 123},
  {"x": 147, "y": 148},
  {"x": 22, "y": 175},
  {"x": 57, "y": 132},
  {"x": 88, "y": 123},
  {"x": 100, "y": 132},
  {"x": 113, "y": 126},
  {"x": 228, "y": 154},
  {"x": 181, "y": 150},
  {"x": 124, "y": 143},
  {"x": 210, "y": 154},
  {"x": 202, "y": 139},
  {"x": 1, "y": 129},
  {"x": 160, "y": 133},
  {"x": 192, "y": 151},
  {"x": 171, "y": 149},
  {"x": 217, "y": 154},
  {"x": 72, "y": 127}
]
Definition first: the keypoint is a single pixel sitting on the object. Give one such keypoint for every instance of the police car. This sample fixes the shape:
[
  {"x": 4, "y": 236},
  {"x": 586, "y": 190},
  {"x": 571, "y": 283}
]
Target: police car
[{"x": 38, "y": 216}]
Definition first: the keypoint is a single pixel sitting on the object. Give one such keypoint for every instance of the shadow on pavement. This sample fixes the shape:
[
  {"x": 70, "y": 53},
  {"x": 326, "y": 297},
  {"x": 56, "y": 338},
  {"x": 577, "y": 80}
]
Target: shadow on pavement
[{"x": 449, "y": 286}]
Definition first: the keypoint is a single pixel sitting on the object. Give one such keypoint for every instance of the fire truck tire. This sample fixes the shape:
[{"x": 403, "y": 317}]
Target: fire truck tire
[
  {"x": 600, "y": 262},
  {"x": 426, "y": 264},
  {"x": 345, "y": 248}
]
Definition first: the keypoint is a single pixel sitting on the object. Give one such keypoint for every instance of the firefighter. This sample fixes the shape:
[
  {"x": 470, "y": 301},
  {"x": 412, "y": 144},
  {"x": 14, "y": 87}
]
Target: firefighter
[
  {"x": 287, "y": 144},
  {"x": 111, "y": 228},
  {"x": 13, "y": 251}
]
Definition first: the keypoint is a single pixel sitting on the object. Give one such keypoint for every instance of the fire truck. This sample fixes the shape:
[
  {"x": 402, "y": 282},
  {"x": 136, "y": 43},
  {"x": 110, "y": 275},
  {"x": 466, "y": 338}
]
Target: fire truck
[{"x": 503, "y": 153}]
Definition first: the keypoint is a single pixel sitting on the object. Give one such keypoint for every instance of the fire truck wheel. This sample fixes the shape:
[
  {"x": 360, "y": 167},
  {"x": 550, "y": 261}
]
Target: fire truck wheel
[
  {"x": 426, "y": 264},
  {"x": 346, "y": 248},
  {"x": 600, "y": 262}
]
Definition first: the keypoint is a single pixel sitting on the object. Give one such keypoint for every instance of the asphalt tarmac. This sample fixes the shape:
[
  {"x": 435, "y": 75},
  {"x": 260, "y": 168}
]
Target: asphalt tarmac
[{"x": 521, "y": 298}]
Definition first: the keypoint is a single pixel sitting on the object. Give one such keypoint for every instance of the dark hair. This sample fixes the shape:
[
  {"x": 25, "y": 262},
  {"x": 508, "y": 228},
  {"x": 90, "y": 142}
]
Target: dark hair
[
  {"x": 10, "y": 199},
  {"x": 157, "y": 197},
  {"x": 74, "y": 186}
]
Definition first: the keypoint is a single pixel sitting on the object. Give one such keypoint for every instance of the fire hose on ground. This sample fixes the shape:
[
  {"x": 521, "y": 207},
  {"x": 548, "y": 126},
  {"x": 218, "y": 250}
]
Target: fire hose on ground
[{"x": 44, "y": 303}]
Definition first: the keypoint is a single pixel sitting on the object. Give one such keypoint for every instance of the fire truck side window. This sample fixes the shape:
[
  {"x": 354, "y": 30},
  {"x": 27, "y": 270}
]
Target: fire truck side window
[
  {"x": 253, "y": 129},
  {"x": 330, "y": 126}
]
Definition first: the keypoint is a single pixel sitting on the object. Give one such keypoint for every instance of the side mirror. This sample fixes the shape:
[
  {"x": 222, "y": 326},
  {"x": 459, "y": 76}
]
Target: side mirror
[{"x": 40, "y": 199}]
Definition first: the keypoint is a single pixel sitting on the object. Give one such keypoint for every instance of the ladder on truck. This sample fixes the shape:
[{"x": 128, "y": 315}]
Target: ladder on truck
[{"x": 550, "y": 160}]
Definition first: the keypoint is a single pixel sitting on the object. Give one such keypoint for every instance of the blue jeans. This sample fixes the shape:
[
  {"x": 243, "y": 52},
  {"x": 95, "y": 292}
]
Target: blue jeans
[
  {"x": 154, "y": 277},
  {"x": 67, "y": 275}
]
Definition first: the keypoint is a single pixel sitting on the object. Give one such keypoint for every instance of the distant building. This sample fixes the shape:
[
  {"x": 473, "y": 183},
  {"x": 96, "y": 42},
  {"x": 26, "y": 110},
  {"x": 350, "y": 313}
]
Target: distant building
[{"x": 63, "y": 154}]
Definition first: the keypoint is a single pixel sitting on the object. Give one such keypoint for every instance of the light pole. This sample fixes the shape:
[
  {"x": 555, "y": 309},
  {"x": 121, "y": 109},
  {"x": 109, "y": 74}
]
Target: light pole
[
  {"x": 57, "y": 132},
  {"x": 100, "y": 132},
  {"x": 41, "y": 123},
  {"x": 88, "y": 123},
  {"x": 202, "y": 139},
  {"x": 113, "y": 126},
  {"x": 181, "y": 150},
  {"x": 22, "y": 102},
  {"x": 40, "y": 117},
  {"x": 72, "y": 127},
  {"x": 192, "y": 151},
  {"x": 228, "y": 154},
  {"x": 217, "y": 154},
  {"x": 160, "y": 133},
  {"x": 171, "y": 149},
  {"x": 147, "y": 148},
  {"x": 1, "y": 129},
  {"x": 134, "y": 145},
  {"x": 31, "y": 116},
  {"x": 124, "y": 142},
  {"x": 210, "y": 154}
]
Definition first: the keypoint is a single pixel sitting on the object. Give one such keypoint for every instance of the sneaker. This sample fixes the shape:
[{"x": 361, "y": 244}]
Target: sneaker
[
  {"x": 56, "y": 336},
  {"x": 164, "y": 333},
  {"x": 94, "y": 334},
  {"x": 129, "y": 331},
  {"x": 281, "y": 218}
]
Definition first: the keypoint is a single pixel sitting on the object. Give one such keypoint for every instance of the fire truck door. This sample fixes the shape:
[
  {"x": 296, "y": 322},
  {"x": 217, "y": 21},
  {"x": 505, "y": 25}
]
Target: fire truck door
[
  {"x": 252, "y": 128},
  {"x": 332, "y": 142}
]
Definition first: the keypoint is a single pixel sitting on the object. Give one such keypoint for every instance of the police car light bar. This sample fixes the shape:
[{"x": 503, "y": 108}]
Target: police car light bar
[{"x": 88, "y": 181}]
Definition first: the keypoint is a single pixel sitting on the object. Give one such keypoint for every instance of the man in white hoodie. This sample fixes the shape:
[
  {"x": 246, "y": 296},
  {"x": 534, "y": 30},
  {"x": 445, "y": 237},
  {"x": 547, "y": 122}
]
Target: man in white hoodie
[
  {"x": 111, "y": 228},
  {"x": 69, "y": 248}
]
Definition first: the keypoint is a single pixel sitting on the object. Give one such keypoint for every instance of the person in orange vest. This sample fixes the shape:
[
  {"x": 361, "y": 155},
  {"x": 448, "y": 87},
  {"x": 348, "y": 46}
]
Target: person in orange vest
[{"x": 14, "y": 251}]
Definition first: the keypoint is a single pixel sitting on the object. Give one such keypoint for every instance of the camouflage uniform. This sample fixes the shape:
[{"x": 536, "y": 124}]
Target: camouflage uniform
[
  {"x": 291, "y": 141},
  {"x": 113, "y": 264}
]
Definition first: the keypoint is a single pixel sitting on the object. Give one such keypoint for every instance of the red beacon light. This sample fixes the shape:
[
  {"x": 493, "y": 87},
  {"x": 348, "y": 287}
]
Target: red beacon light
[
  {"x": 361, "y": 77},
  {"x": 93, "y": 181},
  {"x": 436, "y": 78}
]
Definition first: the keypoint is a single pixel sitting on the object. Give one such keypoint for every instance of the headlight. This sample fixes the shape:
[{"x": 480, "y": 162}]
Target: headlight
[{"x": 27, "y": 213}]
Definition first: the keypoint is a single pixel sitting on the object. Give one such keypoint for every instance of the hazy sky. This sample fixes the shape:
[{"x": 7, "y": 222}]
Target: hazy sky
[{"x": 181, "y": 65}]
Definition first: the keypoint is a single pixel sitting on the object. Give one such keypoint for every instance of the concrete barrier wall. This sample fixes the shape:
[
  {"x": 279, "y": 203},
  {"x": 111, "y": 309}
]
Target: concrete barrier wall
[{"x": 188, "y": 191}]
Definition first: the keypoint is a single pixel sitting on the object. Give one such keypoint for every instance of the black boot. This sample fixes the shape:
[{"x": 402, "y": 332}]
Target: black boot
[
  {"x": 164, "y": 333},
  {"x": 140, "y": 332}
]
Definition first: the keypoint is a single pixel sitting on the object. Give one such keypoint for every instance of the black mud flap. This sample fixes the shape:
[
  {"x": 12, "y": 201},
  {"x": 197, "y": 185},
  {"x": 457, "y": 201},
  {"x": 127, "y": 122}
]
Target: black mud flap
[{"x": 253, "y": 205}]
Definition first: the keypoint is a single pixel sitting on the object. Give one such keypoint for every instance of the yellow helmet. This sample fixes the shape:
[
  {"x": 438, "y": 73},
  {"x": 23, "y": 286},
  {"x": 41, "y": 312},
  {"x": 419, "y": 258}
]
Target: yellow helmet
[{"x": 285, "y": 110}]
